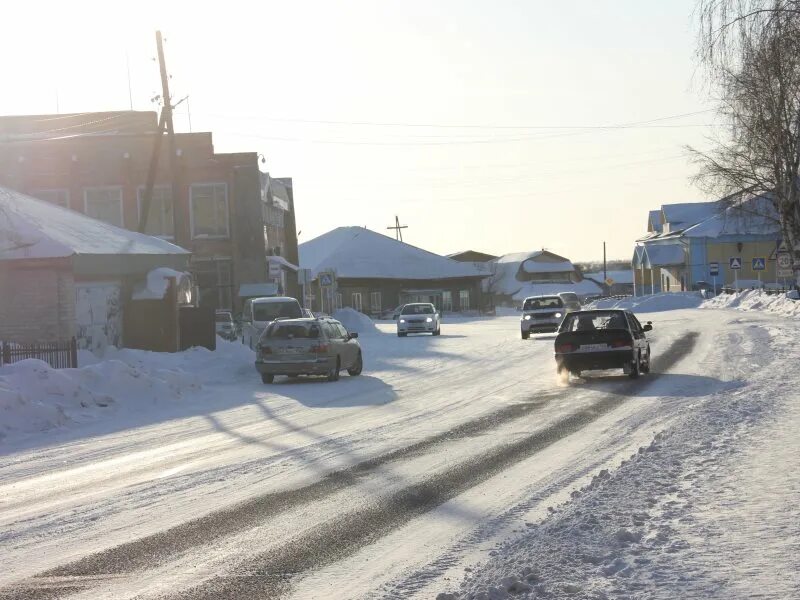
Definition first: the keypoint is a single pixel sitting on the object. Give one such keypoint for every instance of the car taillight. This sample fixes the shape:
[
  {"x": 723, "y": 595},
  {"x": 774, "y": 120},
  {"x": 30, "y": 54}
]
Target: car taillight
[
  {"x": 563, "y": 348},
  {"x": 620, "y": 343},
  {"x": 321, "y": 349}
]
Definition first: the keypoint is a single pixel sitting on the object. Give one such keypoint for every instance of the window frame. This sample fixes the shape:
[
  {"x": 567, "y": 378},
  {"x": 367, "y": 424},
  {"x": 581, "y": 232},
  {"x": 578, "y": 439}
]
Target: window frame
[
  {"x": 353, "y": 297},
  {"x": 140, "y": 197},
  {"x": 461, "y": 304},
  {"x": 96, "y": 188},
  {"x": 227, "y": 211},
  {"x": 372, "y": 304},
  {"x": 447, "y": 300}
]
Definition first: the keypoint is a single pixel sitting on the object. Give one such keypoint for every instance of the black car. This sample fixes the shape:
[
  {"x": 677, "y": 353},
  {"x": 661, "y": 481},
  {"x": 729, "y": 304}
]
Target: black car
[{"x": 591, "y": 340}]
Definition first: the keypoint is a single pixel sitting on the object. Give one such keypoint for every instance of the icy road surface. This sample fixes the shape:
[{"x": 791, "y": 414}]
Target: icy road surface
[{"x": 385, "y": 485}]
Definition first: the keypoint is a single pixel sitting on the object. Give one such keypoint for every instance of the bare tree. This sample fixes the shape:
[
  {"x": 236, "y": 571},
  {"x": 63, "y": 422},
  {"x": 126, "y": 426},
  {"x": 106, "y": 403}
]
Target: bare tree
[{"x": 751, "y": 51}]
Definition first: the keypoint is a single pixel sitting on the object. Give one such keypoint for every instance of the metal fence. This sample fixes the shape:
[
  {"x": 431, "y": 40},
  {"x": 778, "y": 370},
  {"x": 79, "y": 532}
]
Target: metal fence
[{"x": 59, "y": 355}]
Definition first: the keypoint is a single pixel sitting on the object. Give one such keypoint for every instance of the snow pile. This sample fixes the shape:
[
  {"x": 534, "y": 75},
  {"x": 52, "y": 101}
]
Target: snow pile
[
  {"x": 653, "y": 303},
  {"x": 781, "y": 304},
  {"x": 158, "y": 283},
  {"x": 35, "y": 397},
  {"x": 355, "y": 321}
]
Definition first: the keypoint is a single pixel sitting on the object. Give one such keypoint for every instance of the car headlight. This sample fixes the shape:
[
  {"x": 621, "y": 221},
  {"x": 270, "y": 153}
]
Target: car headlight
[
  {"x": 402, "y": 320},
  {"x": 429, "y": 320},
  {"x": 558, "y": 315},
  {"x": 527, "y": 317}
]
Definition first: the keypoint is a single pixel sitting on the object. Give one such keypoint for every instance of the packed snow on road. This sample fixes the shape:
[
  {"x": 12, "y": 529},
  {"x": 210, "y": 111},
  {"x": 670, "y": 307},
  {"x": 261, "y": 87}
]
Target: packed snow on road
[{"x": 456, "y": 466}]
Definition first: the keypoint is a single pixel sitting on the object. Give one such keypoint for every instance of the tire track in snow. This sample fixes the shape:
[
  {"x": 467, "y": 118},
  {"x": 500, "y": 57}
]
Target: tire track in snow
[{"x": 269, "y": 575}]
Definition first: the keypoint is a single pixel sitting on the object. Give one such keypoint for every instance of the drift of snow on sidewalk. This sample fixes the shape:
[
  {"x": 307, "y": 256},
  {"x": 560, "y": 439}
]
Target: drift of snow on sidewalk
[
  {"x": 653, "y": 303},
  {"x": 34, "y": 397},
  {"x": 780, "y": 304},
  {"x": 355, "y": 322}
]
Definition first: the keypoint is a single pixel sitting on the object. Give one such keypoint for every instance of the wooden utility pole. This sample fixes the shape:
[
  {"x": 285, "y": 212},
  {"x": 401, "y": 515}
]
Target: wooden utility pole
[
  {"x": 164, "y": 123},
  {"x": 398, "y": 229}
]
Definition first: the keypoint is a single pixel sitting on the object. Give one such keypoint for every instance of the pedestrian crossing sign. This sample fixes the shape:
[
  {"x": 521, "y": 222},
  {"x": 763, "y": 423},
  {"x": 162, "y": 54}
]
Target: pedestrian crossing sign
[
  {"x": 759, "y": 263},
  {"x": 735, "y": 263}
]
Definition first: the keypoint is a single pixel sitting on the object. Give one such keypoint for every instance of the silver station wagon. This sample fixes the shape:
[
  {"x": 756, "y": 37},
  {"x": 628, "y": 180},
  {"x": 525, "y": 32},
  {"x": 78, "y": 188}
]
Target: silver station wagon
[{"x": 307, "y": 347}]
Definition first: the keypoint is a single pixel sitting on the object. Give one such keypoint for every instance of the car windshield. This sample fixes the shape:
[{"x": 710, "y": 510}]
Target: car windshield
[
  {"x": 570, "y": 297},
  {"x": 417, "y": 309},
  {"x": 269, "y": 311},
  {"x": 591, "y": 321},
  {"x": 544, "y": 302},
  {"x": 288, "y": 331}
]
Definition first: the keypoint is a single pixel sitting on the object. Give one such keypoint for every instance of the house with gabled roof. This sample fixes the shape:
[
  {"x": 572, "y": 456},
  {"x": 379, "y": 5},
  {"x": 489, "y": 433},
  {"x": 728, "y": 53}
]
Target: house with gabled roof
[
  {"x": 373, "y": 273},
  {"x": 64, "y": 275}
]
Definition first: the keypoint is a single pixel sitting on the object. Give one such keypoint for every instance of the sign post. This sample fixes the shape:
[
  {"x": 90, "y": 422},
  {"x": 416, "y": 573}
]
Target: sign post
[
  {"x": 735, "y": 264},
  {"x": 713, "y": 270},
  {"x": 783, "y": 266},
  {"x": 759, "y": 264}
]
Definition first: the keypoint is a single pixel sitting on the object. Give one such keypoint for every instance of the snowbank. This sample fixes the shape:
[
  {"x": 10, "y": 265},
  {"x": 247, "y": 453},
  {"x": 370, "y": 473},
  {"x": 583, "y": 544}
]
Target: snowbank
[
  {"x": 355, "y": 321},
  {"x": 157, "y": 283},
  {"x": 653, "y": 303},
  {"x": 782, "y": 304},
  {"x": 35, "y": 397}
]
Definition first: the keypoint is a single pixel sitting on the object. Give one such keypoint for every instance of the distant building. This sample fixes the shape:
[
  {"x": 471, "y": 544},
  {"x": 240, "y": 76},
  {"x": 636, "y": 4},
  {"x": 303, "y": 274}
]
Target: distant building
[
  {"x": 280, "y": 233},
  {"x": 472, "y": 256},
  {"x": 617, "y": 282},
  {"x": 683, "y": 240},
  {"x": 63, "y": 274},
  {"x": 374, "y": 273},
  {"x": 97, "y": 164},
  {"x": 522, "y": 274}
]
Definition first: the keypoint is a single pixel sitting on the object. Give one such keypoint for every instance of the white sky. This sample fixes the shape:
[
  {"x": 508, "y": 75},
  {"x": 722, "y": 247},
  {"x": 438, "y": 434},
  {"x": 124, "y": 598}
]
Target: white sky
[{"x": 263, "y": 75}]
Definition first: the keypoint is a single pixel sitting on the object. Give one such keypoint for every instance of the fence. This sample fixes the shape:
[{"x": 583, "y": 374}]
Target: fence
[{"x": 59, "y": 355}]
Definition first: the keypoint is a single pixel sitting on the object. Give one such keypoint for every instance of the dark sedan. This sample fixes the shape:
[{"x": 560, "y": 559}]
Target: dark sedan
[{"x": 590, "y": 340}]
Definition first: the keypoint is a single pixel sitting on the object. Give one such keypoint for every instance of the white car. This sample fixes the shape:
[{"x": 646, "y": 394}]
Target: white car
[
  {"x": 418, "y": 318},
  {"x": 260, "y": 312},
  {"x": 541, "y": 314}
]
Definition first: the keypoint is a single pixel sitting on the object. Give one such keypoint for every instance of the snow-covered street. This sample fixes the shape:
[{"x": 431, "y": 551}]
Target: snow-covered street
[{"x": 454, "y": 465}]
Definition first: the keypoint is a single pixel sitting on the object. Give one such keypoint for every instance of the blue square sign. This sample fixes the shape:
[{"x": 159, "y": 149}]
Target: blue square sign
[
  {"x": 735, "y": 263},
  {"x": 759, "y": 263},
  {"x": 713, "y": 269}
]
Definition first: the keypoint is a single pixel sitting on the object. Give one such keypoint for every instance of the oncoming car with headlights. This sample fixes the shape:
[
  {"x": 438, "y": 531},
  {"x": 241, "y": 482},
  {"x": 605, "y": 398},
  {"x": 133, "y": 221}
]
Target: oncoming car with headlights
[
  {"x": 420, "y": 317},
  {"x": 541, "y": 314}
]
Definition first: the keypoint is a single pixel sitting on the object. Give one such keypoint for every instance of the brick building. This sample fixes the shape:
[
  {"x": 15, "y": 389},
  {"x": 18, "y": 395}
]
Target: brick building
[
  {"x": 280, "y": 228},
  {"x": 97, "y": 163}
]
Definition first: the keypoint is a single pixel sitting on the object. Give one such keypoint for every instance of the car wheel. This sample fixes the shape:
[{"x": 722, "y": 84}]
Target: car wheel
[
  {"x": 576, "y": 373},
  {"x": 267, "y": 377},
  {"x": 333, "y": 375},
  {"x": 400, "y": 334},
  {"x": 646, "y": 362},
  {"x": 357, "y": 367},
  {"x": 437, "y": 332},
  {"x": 634, "y": 368},
  {"x": 526, "y": 335}
]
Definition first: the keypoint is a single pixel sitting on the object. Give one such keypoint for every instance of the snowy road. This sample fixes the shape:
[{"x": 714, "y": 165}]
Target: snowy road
[{"x": 387, "y": 485}]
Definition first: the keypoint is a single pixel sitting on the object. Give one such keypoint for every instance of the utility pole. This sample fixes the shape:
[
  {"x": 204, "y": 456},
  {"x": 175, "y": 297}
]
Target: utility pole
[
  {"x": 164, "y": 123},
  {"x": 605, "y": 265},
  {"x": 398, "y": 229}
]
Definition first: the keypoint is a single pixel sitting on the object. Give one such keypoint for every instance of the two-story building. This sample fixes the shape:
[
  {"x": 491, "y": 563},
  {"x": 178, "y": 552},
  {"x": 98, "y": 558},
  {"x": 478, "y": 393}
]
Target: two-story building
[{"x": 98, "y": 163}]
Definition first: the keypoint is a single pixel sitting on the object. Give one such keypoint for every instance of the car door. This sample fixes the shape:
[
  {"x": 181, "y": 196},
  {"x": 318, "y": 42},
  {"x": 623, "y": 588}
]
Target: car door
[
  {"x": 639, "y": 340},
  {"x": 335, "y": 342},
  {"x": 349, "y": 346}
]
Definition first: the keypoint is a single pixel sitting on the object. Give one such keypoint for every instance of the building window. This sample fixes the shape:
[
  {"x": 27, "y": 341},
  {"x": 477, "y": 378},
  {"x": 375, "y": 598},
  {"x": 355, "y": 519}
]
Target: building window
[
  {"x": 447, "y": 301},
  {"x": 463, "y": 299},
  {"x": 209, "y": 209},
  {"x": 214, "y": 278},
  {"x": 159, "y": 219},
  {"x": 60, "y": 196},
  {"x": 356, "y": 300},
  {"x": 275, "y": 216},
  {"x": 375, "y": 304},
  {"x": 104, "y": 204},
  {"x": 338, "y": 300}
]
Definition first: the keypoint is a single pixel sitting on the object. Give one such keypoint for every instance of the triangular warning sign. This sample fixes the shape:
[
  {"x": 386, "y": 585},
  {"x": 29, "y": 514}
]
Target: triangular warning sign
[
  {"x": 758, "y": 264},
  {"x": 736, "y": 263}
]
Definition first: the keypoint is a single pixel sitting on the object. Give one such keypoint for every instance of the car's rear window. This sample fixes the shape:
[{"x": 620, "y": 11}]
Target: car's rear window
[
  {"x": 570, "y": 297},
  {"x": 289, "y": 331},
  {"x": 594, "y": 321},
  {"x": 269, "y": 311},
  {"x": 537, "y": 303},
  {"x": 417, "y": 309}
]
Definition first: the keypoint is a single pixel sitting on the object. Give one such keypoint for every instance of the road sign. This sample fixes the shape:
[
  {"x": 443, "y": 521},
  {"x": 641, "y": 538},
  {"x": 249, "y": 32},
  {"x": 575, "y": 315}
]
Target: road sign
[
  {"x": 326, "y": 279},
  {"x": 784, "y": 260},
  {"x": 759, "y": 263},
  {"x": 735, "y": 263},
  {"x": 783, "y": 247},
  {"x": 609, "y": 281},
  {"x": 713, "y": 269},
  {"x": 274, "y": 270}
]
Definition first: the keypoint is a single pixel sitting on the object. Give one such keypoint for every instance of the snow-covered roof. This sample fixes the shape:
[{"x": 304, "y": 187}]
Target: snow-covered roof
[
  {"x": 537, "y": 266},
  {"x": 754, "y": 216},
  {"x": 356, "y": 252},
  {"x": 32, "y": 228},
  {"x": 506, "y": 268},
  {"x": 654, "y": 221},
  {"x": 663, "y": 255},
  {"x": 689, "y": 213},
  {"x": 618, "y": 275},
  {"x": 581, "y": 288}
]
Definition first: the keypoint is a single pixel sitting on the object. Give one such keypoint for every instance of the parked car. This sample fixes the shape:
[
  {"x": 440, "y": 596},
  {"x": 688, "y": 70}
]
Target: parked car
[
  {"x": 418, "y": 317},
  {"x": 602, "y": 339},
  {"x": 260, "y": 312},
  {"x": 307, "y": 347},
  {"x": 225, "y": 326},
  {"x": 570, "y": 300},
  {"x": 541, "y": 314},
  {"x": 307, "y": 313}
]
